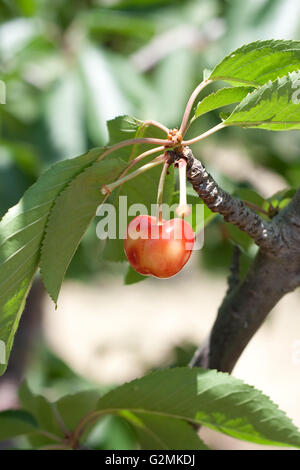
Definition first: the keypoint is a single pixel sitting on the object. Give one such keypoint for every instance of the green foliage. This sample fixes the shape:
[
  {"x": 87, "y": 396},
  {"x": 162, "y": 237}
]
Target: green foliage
[
  {"x": 274, "y": 106},
  {"x": 70, "y": 217},
  {"x": 206, "y": 397},
  {"x": 21, "y": 234},
  {"x": 131, "y": 276},
  {"x": 16, "y": 422},
  {"x": 112, "y": 433},
  {"x": 161, "y": 410},
  {"x": 256, "y": 63},
  {"x": 163, "y": 432},
  {"x": 280, "y": 199},
  {"x": 222, "y": 97},
  {"x": 43, "y": 413}
]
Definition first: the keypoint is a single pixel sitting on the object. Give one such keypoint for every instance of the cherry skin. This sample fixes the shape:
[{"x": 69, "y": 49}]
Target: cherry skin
[{"x": 159, "y": 250}]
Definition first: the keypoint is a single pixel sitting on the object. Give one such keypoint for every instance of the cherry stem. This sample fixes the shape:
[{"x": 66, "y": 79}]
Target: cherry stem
[
  {"x": 139, "y": 158},
  {"x": 155, "y": 124},
  {"x": 126, "y": 143},
  {"x": 183, "y": 209},
  {"x": 189, "y": 106},
  {"x": 146, "y": 124},
  {"x": 107, "y": 189},
  {"x": 49, "y": 435},
  {"x": 214, "y": 129},
  {"x": 160, "y": 192}
]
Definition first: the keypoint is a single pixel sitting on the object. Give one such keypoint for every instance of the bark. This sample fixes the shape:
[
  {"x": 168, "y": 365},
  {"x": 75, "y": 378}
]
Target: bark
[
  {"x": 274, "y": 272},
  {"x": 234, "y": 276}
]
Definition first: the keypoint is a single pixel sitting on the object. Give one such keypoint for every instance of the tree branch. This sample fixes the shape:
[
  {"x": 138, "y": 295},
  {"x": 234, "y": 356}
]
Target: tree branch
[
  {"x": 265, "y": 234},
  {"x": 234, "y": 276},
  {"x": 274, "y": 272},
  {"x": 243, "y": 311}
]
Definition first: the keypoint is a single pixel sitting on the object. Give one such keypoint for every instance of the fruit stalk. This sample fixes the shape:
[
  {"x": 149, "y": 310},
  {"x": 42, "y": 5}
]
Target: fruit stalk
[
  {"x": 160, "y": 192},
  {"x": 189, "y": 106},
  {"x": 108, "y": 188},
  {"x": 183, "y": 209}
]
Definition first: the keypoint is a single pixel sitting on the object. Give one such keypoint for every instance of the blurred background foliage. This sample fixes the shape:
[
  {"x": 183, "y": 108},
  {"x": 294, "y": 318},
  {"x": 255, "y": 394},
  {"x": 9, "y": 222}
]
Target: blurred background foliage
[{"x": 68, "y": 67}]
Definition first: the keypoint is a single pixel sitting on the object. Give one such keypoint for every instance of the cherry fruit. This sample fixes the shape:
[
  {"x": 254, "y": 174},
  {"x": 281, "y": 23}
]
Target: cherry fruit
[{"x": 159, "y": 250}]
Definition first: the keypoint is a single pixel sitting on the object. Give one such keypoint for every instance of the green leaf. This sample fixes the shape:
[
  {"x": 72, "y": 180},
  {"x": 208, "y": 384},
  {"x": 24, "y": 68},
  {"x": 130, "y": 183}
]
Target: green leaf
[
  {"x": 21, "y": 234},
  {"x": 51, "y": 416},
  {"x": 206, "y": 397},
  {"x": 274, "y": 106},
  {"x": 123, "y": 128},
  {"x": 222, "y": 97},
  {"x": 132, "y": 277},
  {"x": 112, "y": 432},
  {"x": 258, "y": 62},
  {"x": 15, "y": 423},
  {"x": 282, "y": 198},
  {"x": 72, "y": 408},
  {"x": 42, "y": 411},
  {"x": 70, "y": 217},
  {"x": 164, "y": 433}
]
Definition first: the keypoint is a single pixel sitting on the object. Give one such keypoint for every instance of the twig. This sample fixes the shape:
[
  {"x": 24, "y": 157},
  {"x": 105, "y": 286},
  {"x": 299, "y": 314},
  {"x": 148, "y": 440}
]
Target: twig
[
  {"x": 126, "y": 143},
  {"x": 155, "y": 124},
  {"x": 211, "y": 131},
  {"x": 256, "y": 208},
  {"x": 59, "y": 420},
  {"x": 190, "y": 104},
  {"x": 160, "y": 192},
  {"x": 141, "y": 157},
  {"x": 107, "y": 189}
]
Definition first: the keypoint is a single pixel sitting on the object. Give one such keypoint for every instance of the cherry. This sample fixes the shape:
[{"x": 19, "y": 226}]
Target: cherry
[{"x": 159, "y": 250}]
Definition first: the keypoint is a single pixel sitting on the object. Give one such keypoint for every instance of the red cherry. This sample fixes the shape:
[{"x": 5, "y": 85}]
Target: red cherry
[{"x": 160, "y": 250}]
